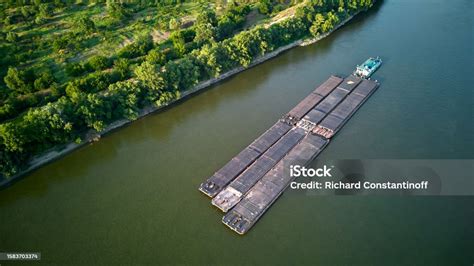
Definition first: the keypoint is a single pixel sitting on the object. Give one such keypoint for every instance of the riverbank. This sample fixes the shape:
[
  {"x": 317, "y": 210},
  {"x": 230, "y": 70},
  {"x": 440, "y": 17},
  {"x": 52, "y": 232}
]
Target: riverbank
[{"x": 92, "y": 136}]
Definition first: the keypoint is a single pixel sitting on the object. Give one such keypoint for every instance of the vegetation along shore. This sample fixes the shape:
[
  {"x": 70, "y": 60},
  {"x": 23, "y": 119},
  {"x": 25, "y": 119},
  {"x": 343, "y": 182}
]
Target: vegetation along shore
[{"x": 59, "y": 99}]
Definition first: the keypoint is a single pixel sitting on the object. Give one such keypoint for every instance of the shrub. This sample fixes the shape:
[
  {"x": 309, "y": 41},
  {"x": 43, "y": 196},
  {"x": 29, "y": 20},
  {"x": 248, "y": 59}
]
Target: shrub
[
  {"x": 75, "y": 69},
  {"x": 44, "y": 81},
  {"x": 155, "y": 56},
  {"x": 121, "y": 66},
  {"x": 12, "y": 37},
  {"x": 19, "y": 80},
  {"x": 99, "y": 62},
  {"x": 138, "y": 48}
]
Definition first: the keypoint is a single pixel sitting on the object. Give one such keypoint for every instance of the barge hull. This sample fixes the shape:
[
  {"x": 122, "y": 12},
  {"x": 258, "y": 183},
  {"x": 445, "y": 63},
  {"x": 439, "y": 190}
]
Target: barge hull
[
  {"x": 267, "y": 190},
  {"x": 239, "y": 163},
  {"x": 235, "y": 167},
  {"x": 246, "y": 187},
  {"x": 247, "y": 212},
  {"x": 301, "y": 109},
  {"x": 233, "y": 193},
  {"x": 332, "y": 123}
]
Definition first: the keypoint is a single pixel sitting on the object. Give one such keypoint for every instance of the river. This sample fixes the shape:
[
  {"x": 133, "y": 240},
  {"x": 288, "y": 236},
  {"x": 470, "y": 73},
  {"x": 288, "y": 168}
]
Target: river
[{"x": 132, "y": 197}]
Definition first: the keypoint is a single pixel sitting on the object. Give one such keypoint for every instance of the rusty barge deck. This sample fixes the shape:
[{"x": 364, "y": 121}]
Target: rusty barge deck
[{"x": 249, "y": 183}]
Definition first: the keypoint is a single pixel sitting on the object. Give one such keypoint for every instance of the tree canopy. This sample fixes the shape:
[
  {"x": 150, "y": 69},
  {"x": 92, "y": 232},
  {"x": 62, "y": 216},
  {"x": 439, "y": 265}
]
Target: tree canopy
[{"x": 102, "y": 89}]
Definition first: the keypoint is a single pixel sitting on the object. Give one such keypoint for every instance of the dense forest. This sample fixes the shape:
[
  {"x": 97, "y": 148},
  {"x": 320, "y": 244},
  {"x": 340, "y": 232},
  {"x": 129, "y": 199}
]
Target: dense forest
[{"x": 69, "y": 67}]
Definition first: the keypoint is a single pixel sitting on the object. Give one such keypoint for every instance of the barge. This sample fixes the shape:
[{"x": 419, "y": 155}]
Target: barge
[{"x": 249, "y": 183}]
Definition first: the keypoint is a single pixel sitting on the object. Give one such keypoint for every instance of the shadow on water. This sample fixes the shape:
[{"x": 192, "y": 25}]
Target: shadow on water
[{"x": 57, "y": 173}]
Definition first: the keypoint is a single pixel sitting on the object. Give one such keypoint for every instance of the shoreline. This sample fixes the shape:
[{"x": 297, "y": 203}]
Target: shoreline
[{"x": 92, "y": 136}]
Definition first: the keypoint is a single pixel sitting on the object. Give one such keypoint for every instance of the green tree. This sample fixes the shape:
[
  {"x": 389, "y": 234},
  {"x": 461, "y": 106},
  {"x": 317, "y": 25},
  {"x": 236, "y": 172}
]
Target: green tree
[
  {"x": 18, "y": 80},
  {"x": 92, "y": 111},
  {"x": 225, "y": 27},
  {"x": 84, "y": 25},
  {"x": 121, "y": 65},
  {"x": 265, "y": 6},
  {"x": 316, "y": 27},
  {"x": 45, "y": 10},
  {"x": 75, "y": 69},
  {"x": 99, "y": 62},
  {"x": 116, "y": 10},
  {"x": 12, "y": 139},
  {"x": 27, "y": 11},
  {"x": 181, "y": 74},
  {"x": 73, "y": 92},
  {"x": 8, "y": 20},
  {"x": 204, "y": 33},
  {"x": 207, "y": 16},
  {"x": 148, "y": 75},
  {"x": 179, "y": 43},
  {"x": 140, "y": 47},
  {"x": 155, "y": 56},
  {"x": 174, "y": 23},
  {"x": 44, "y": 81},
  {"x": 12, "y": 37},
  {"x": 39, "y": 20}
]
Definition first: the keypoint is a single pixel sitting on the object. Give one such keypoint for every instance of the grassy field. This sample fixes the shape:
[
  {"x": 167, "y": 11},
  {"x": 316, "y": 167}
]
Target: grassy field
[
  {"x": 110, "y": 37},
  {"x": 47, "y": 40}
]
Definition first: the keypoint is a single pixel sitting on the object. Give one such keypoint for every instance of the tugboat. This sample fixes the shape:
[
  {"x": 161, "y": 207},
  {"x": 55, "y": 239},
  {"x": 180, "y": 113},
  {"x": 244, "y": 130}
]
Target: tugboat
[{"x": 368, "y": 67}]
